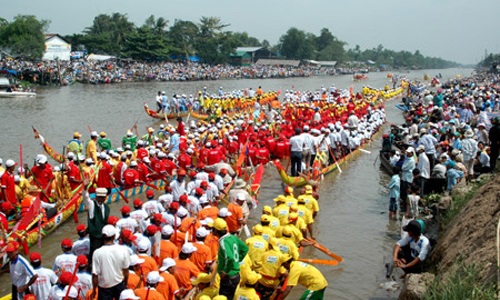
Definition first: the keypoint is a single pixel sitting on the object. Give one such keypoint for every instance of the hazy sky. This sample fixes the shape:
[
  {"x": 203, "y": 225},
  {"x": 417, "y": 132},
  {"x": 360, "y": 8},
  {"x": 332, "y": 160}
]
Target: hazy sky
[{"x": 457, "y": 30}]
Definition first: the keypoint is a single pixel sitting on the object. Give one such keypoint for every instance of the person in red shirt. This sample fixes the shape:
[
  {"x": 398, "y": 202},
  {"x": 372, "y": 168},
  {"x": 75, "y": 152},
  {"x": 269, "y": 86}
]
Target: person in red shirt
[
  {"x": 214, "y": 156},
  {"x": 169, "y": 164},
  {"x": 131, "y": 176},
  {"x": 105, "y": 174},
  {"x": 180, "y": 126},
  {"x": 117, "y": 172},
  {"x": 204, "y": 153},
  {"x": 7, "y": 183},
  {"x": 141, "y": 151},
  {"x": 262, "y": 155},
  {"x": 42, "y": 173},
  {"x": 73, "y": 172},
  {"x": 184, "y": 159}
]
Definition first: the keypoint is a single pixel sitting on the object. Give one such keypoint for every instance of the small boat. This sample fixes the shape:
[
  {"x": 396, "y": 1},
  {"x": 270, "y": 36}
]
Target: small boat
[
  {"x": 155, "y": 115},
  {"x": 16, "y": 94},
  {"x": 357, "y": 77}
]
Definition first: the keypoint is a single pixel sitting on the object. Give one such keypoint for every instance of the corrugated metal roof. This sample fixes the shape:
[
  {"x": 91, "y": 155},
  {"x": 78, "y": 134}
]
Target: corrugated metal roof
[
  {"x": 248, "y": 49},
  {"x": 282, "y": 62}
]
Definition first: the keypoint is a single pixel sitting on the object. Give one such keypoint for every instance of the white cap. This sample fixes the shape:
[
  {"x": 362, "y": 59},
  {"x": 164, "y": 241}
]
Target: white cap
[
  {"x": 203, "y": 199},
  {"x": 101, "y": 192},
  {"x": 128, "y": 294},
  {"x": 171, "y": 155},
  {"x": 89, "y": 161},
  {"x": 420, "y": 147},
  {"x": 167, "y": 263},
  {"x": 136, "y": 260},
  {"x": 154, "y": 277},
  {"x": 133, "y": 163},
  {"x": 73, "y": 292},
  {"x": 10, "y": 163},
  {"x": 17, "y": 178},
  {"x": 206, "y": 221},
  {"x": 240, "y": 196},
  {"x": 109, "y": 231},
  {"x": 42, "y": 159},
  {"x": 146, "y": 160},
  {"x": 223, "y": 212},
  {"x": 182, "y": 212},
  {"x": 71, "y": 155},
  {"x": 188, "y": 248},
  {"x": 202, "y": 232},
  {"x": 94, "y": 134},
  {"x": 143, "y": 245},
  {"x": 1, "y": 161},
  {"x": 167, "y": 230}
]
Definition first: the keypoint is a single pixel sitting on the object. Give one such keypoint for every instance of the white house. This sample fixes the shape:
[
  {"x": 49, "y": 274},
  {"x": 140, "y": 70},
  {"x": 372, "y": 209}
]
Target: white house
[{"x": 56, "y": 47}]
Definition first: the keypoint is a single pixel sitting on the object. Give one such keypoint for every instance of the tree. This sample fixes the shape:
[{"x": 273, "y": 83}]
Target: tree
[
  {"x": 158, "y": 26},
  {"x": 24, "y": 36},
  {"x": 324, "y": 39},
  {"x": 245, "y": 40},
  {"x": 296, "y": 44},
  {"x": 145, "y": 45},
  {"x": 183, "y": 35},
  {"x": 213, "y": 45},
  {"x": 113, "y": 29}
]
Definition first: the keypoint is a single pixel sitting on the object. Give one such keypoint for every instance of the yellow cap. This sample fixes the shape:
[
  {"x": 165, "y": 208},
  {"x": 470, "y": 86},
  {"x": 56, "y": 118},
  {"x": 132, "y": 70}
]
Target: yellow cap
[
  {"x": 220, "y": 224},
  {"x": 265, "y": 218},
  {"x": 77, "y": 135},
  {"x": 257, "y": 229},
  {"x": 103, "y": 134},
  {"x": 267, "y": 209},
  {"x": 202, "y": 278}
]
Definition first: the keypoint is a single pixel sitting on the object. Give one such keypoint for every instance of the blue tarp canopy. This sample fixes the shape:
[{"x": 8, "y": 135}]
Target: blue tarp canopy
[{"x": 7, "y": 71}]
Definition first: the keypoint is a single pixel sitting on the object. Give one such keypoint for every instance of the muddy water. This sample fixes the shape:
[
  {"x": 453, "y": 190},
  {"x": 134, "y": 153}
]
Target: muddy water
[{"x": 352, "y": 222}]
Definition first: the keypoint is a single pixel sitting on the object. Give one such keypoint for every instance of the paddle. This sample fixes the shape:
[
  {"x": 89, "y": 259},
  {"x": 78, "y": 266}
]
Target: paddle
[
  {"x": 319, "y": 261},
  {"x": 120, "y": 193}
]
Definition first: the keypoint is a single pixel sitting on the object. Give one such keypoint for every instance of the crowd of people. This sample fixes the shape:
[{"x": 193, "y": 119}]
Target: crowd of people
[
  {"x": 451, "y": 135},
  {"x": 114, "y": 71}
]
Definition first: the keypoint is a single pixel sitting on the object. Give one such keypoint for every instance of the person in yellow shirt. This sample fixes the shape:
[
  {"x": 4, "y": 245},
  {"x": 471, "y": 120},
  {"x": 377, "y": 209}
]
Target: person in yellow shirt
[
  {"x": 91, "y": 150},
  {"x": 296, "y": 234},
  {"x": 286, "y": 244},
  {"x": 202, "y": 284},
  {"x": 300, "y": 223},
  {"x": 308, "y": 276},
  {"x": 274, "y": 222},
  {"x": 306, "y": 215},
  {"x": 257, "y": 245},
  {"x": 310, "y": 201},
  {"x": 247, "y": 290},
  {"x": 271, "y": 271},
  {"x": 22, "y": 187},
  {"x": 267, "y": 232},
  {"x": 281, "y": 210},
  {"x": 290, "y": 197}
]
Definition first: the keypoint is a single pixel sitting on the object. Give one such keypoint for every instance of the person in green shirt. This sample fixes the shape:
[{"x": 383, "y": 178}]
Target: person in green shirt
[
  {"x": 103, "y": 142},
  {"x": 232, "y": 250},
  {"x": 129, "y": 139}
]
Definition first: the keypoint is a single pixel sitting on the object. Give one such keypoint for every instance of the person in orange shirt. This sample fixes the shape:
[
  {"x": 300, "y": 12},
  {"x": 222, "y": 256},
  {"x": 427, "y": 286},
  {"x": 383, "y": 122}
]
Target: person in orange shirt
[
  {"x": 149, "y": 292},
  {"x": 169, "y": 287},
  {"x": 207, "y": 210},
  {"x": 149, "y": 264},
  {"x": 167, "y": 248},
  {"x": 135, "y": 276},
  {"x": 202, "y": 257},
  {"x": 236, "y": 219},
  {"x": 211, "y": 240},
  {"x": 184, "y": 268}
]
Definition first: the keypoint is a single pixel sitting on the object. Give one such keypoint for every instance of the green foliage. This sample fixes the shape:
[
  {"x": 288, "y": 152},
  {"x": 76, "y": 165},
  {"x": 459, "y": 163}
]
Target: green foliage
[
  {"x": 296, "y": 44},
  {"x": 112, "y": 30},
  {"x": 463, "y": 283},
  {"x": 183, "y": 35},
  {"x": 24, "y": 36},
  {"x": 146, "y": 45}
]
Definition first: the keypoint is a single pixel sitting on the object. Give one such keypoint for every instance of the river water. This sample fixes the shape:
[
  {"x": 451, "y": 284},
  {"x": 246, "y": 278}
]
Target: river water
[{"x": 352, "y": 221}]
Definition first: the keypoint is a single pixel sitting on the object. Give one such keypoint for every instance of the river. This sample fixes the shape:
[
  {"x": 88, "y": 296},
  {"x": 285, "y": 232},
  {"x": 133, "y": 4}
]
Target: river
[{"x": 352, "y": 222}]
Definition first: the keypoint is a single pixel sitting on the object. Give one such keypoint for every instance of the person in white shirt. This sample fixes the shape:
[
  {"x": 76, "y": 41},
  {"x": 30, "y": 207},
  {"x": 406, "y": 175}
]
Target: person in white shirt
[
  {"x": 126, "y": 222},
  {"x": 139, "y": 215},
  {"x": 418, "y": 246},
  {"x": 307, "y": 149},
  {"x": 84, "y": 283},
  {"x": 178, "y": 185},
  {"x": 67, "y": 260},
  {"x": 46, "y": 277},
  {"x": 82, "y": 245},
  {"x": 424, "y": 166},
  {"x": 296, "y": 149},
  {"x": 110, "y": 265}
]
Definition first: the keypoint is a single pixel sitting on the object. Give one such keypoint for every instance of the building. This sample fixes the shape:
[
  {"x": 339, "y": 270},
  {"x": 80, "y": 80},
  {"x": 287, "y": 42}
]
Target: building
[
  {"x": 56, "y": 48},
  {"x": 245, "y": 56}
]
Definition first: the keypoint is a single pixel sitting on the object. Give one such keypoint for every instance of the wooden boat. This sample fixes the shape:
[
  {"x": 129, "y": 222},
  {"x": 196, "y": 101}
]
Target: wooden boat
[
  {"x": 155, "y": 115},
  {"x": 16, "y": 94},
  {"x": 27, "y": 232},
  {"x": 357, "y": 77}
]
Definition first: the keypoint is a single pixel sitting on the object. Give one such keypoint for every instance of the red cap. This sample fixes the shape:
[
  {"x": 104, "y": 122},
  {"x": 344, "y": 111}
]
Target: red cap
[
  {"x": 137, "y": 203},
  {"x": 204, "y": 184},
  {"x": 66, "y": 276},
  {"x": 183, "y": 198},
  {"x": 199, "y": 191},
  {"x": 174, "y": 205},
  {"x": 192, "y": 173},
  {"x": 80, "y": 227},
  {"x": 29, "y": 297},
  {"x": 112, "y": 220},
  {"x": 158, "y": 217},
  {"x": 67, "y": 243},
  {"x": 150, "y": 193},
  {"x": 211, "y": 175},
  {"x": 128, "y": 235},
  {"x": 201, "y": 165},
  {"x": 6, "y": 207},
  {"x": 35, "y": 257},
  {"x": 152, "y": 229},
  {"x": 82, "y": 260},
  {"x": 12, "y": 246},
  {"x": 223, "y": 171},
  {"x": 125, "y": 209},
  {"x": 181, "y": 172}
]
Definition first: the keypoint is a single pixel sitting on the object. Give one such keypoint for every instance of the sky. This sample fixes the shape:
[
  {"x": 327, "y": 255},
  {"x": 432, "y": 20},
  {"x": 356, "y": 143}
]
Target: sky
[{"x": 456, "y": 30}]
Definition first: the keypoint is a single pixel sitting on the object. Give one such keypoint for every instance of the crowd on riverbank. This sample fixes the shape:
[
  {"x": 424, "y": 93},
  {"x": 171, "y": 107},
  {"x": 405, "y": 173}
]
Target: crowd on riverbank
[
  {"x": 113, "y": 71},
  {"x": 450, "y": 136}
]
